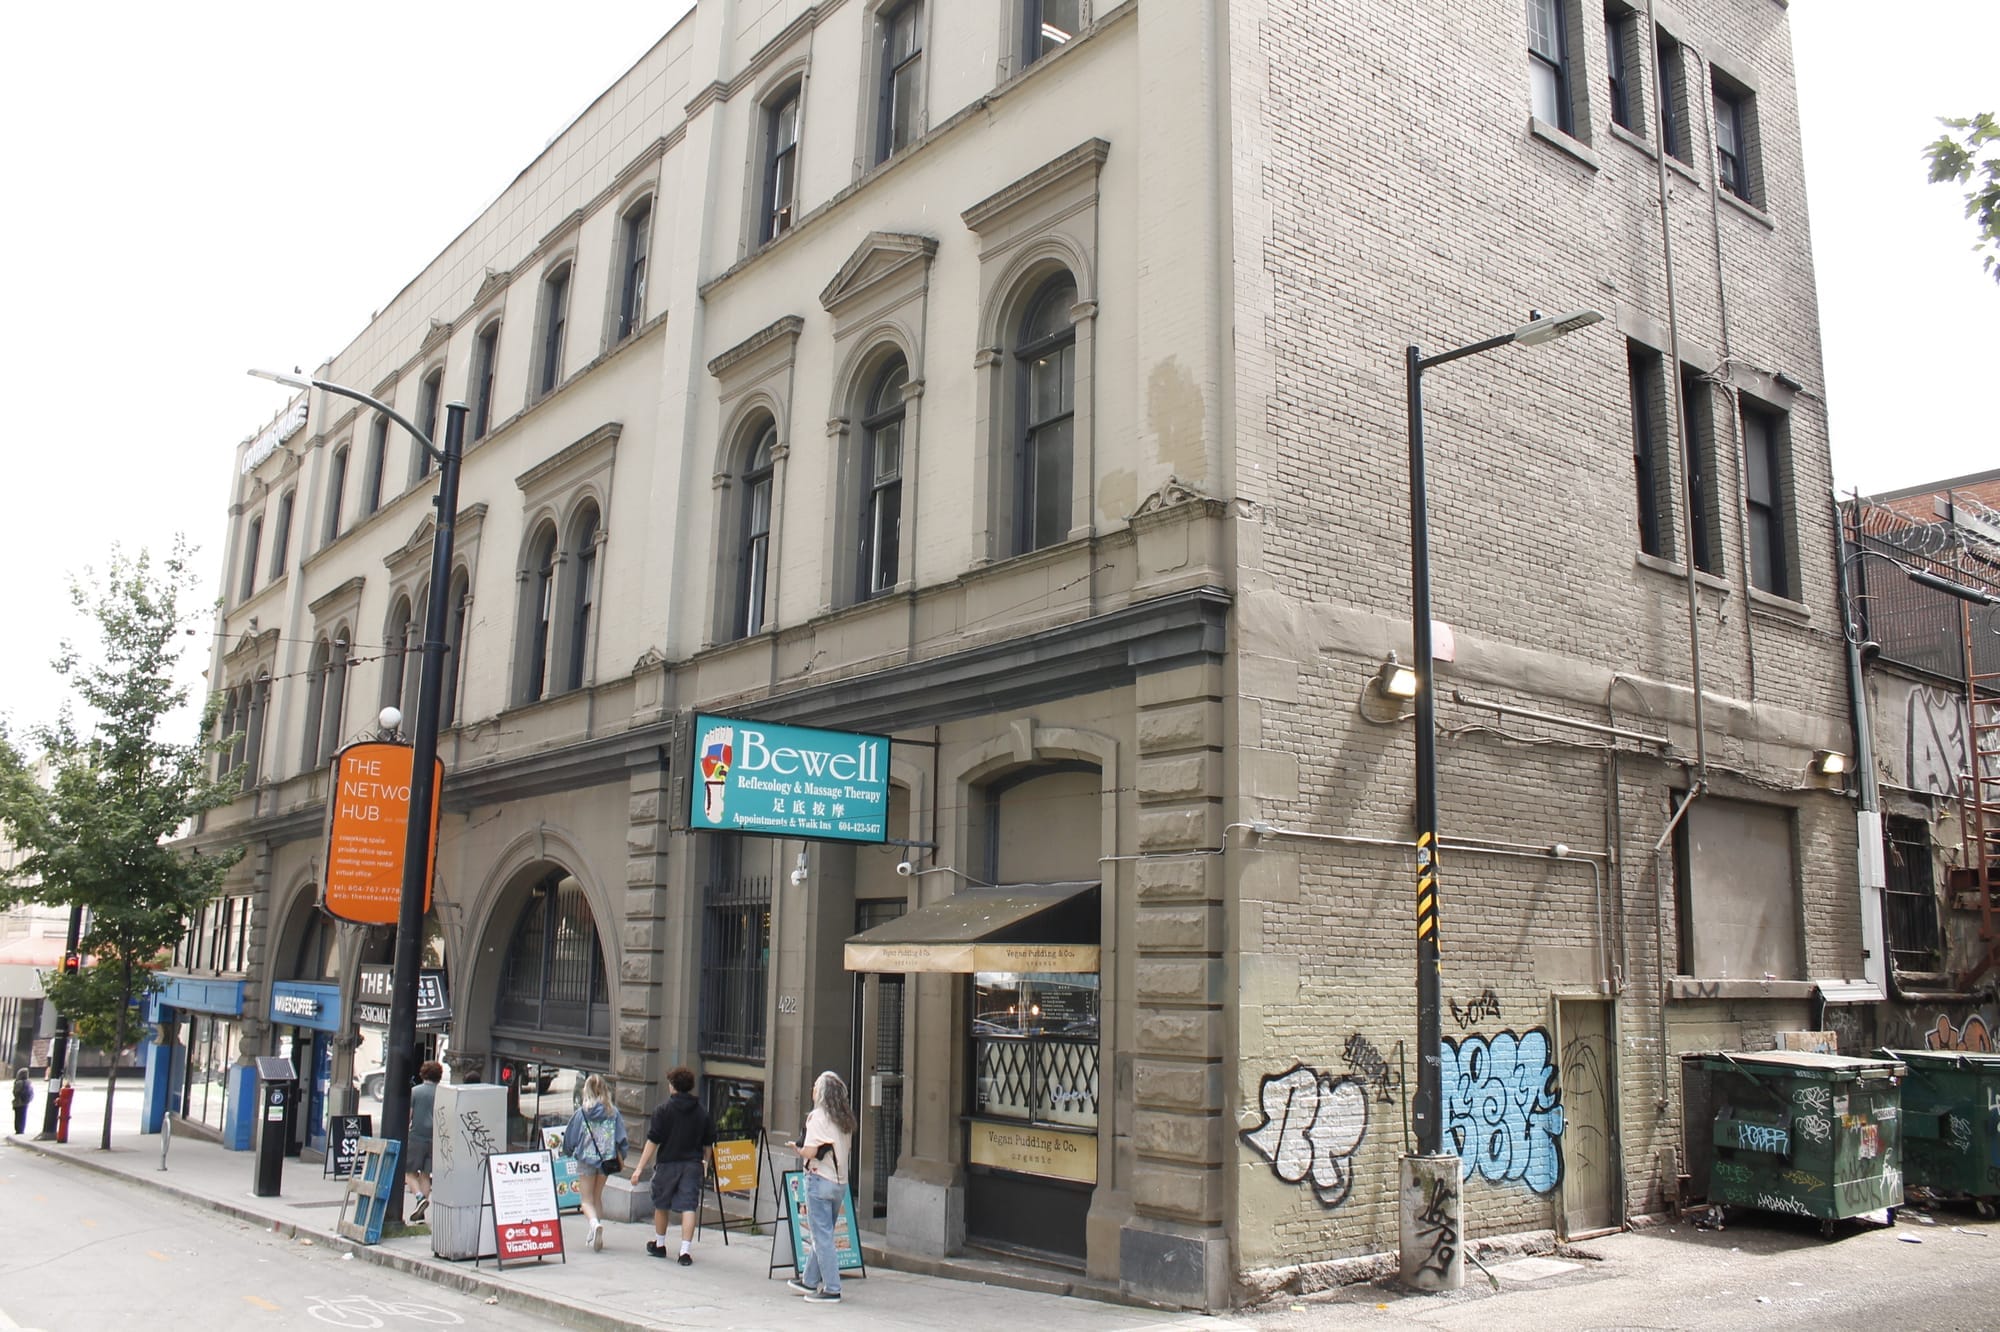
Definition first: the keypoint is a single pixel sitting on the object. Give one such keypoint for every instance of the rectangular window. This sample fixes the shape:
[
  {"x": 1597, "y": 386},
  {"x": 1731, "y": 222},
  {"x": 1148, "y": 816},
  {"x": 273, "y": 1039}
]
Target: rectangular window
[
  {"x": 485, "y": 353},
  {"x": 632, "y": 276},
  {"x": 281, "y": 537},
  {"x": 1912, "y": 900},
  {"x": 1650, "y": 473},
  {"x": 1548, "y": 64},
  {"x": 1737, "y": 891},
  {"x": 1620, "y": 27},
  {"x": 1764, "y": 494},
  {"x": 1698, "y": 425},
  {"x": 1035, "y": 1047},
  {"x": 781, "y": 165},
  {"x": 1048, "y": 26},
  {"x": 1734, "y": 115},
  {"x": 1673, "y": 100},
  {"x": 735, "y": 957},
  {"x": 336, "y": 493},
  {"x": 902, "y": 75},
  {"x": 885, "y": 510},
  {"x": 555, "y": 322}
]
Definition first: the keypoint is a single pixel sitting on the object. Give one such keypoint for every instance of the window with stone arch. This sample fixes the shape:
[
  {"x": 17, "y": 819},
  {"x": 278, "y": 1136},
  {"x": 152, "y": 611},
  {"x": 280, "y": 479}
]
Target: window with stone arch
[
  {"x": 1044, "y": 436},
  {"x": 401, "y": 639},
  {"x": 877, "y": 477},
  {"x": 747, "y": 561},
  {"x": 326, "y": 696},
  {"x": 578, "y": 594},
  {"x": 460, "y": 593},
  {"x": 536, "y": 616}
]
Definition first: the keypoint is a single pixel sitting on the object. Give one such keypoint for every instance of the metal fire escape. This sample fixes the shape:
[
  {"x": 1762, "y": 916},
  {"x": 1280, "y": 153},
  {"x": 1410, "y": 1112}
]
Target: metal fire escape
[{"x": 1978, "y": 870}]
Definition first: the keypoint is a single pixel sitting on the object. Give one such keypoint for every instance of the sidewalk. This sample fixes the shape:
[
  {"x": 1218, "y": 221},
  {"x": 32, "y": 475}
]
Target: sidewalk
[{"x": 620, "y": 1288}]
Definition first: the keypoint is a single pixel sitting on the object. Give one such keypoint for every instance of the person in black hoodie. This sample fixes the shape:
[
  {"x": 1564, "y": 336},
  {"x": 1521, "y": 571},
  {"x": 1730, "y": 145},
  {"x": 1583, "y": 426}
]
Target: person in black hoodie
[{"x": 679, "y": 1133}]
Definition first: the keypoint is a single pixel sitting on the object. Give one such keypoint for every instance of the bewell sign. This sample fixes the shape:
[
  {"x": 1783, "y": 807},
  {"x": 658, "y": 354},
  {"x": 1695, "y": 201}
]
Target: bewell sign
[
  {"x": 368, "y": 817},
  {"x": 788, "y": 781}
]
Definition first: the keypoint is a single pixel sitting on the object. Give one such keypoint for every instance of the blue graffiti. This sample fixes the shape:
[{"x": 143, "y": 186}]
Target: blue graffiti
[
  {"x": 1763, "y": 1138},
  {"x": 1503, "y": 1109}
]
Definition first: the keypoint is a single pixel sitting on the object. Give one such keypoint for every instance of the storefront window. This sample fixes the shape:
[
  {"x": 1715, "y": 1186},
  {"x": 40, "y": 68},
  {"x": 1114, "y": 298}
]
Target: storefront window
[
  {"x": 1035, "y": 1047},
  {"x": 737, "y": 1106},
  {"x": 211, "y": 1050}
]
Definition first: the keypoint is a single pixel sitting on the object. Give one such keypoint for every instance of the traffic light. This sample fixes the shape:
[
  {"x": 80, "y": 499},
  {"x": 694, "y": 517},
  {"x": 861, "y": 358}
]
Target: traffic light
[{"x": 71, "y": 964}]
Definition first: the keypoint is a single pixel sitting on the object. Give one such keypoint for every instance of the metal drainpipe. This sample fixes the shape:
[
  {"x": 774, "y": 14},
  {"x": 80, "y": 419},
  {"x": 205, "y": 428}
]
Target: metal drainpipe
[
  {"x": 1660, "y": 932},
  {"x": 1867, "y": 814}
]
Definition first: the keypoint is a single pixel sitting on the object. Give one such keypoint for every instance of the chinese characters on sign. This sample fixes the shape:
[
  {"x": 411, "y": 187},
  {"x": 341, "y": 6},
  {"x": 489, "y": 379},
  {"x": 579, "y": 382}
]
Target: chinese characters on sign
[{"x": 789, "y": 781}]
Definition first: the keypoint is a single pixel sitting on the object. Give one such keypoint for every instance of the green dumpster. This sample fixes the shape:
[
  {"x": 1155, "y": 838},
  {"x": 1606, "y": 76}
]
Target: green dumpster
[
  {"x": 1951, "y": 1123},
  {"x": 1810, "y": 1135}
]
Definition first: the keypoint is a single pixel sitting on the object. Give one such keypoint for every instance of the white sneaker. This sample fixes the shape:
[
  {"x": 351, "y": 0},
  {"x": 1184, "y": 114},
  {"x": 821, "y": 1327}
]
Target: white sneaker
[{"x": 596, "y": 1237}]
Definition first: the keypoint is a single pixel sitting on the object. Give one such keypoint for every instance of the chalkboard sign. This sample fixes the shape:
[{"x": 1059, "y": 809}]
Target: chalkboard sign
[{"x": 343, "y": 1144}]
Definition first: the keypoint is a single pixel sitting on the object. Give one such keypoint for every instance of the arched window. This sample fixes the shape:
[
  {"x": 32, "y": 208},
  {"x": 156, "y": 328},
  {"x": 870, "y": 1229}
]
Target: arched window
[
  {"x": 555, "y": 324},
  {"x": 485, "y": 355},
  {"x": 881, "y": 482},
  {"x": 635, "y": 240},
  {"x": 538, "y": 594},
  {"x": 582, "y": 574},
  {"x": 260, "y": 702},
  {"x": 429, "y": 395},
  {"x": 253, "y": 537},
  {"x": 552, "y": 978},
  {"x": 336, "y": 494},
  {"x": 1045, "y": 403},
  {"x": 225, "y": 727},
  {"x": 239, "y": 725},
  {"x": 281, "y": 535},
  {"x": 753, "y": 567},
  {"x": 371, "y": 481},
  {"x": 316, "y": 678},
  {"x": 396, "y": 655},
  {"x": 454, "y": 638},
  {"x": 334, "y": 708},
  {"x": 781, "y": 164}
]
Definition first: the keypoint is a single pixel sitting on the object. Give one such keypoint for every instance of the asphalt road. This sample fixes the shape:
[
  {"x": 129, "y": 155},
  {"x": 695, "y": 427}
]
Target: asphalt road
[
  {"x": 1760, "y": 1271},
  {"x": 81, "y": 1253}
]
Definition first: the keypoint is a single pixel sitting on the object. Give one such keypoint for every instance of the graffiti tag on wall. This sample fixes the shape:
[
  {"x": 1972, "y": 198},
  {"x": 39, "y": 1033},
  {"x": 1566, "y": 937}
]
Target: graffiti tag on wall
[
  {"x": 1972, "y": 1035},
  {"x": 1366, "y": 1063},
  {"x": 1313, "y": 1122},
  {"x": 1487, "y": 1005},
  {"x": 1503, "y": 1108}
]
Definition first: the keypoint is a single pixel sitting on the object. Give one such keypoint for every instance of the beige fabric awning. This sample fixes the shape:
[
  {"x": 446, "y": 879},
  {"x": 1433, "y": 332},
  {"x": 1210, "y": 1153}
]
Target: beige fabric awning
[{"x": 1021, "y": 927}]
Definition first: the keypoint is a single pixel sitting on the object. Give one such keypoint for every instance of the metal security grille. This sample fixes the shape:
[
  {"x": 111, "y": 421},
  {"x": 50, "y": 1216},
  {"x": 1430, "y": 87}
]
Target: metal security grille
[
  {"x": 889, "y": 1065},
  {"x": 1045, "y": 1079},
  {"x": 735, "y": 965},
  {"x": 553, "y": 977},
  {"x": 1916, "y": 625},
  {"x": 1912, "y": 895}
]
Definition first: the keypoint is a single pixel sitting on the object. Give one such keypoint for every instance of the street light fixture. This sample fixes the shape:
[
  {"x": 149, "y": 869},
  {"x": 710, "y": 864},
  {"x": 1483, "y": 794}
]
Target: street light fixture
[
  {"x": 400, "y": 1060},
  {"x": 1426, "y": 1108}
]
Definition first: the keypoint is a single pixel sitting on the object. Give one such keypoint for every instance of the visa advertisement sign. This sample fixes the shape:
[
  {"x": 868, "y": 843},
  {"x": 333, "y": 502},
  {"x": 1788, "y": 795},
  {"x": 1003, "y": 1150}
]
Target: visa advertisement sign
[{"x": 788, "y": 781}]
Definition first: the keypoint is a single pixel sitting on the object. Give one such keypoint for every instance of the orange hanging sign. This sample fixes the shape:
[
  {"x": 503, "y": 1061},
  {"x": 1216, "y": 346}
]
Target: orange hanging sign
[{"x": 368, "y": 821}]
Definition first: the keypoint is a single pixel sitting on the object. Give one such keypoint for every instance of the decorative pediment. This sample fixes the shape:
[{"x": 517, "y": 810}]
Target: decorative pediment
[
  {"x": 251, "y": 644},
  {"x": 777, "y": 338},
  {"x": 881, "y": 257},
  {"x": 339, "y": 599},
  {"x": 1172, "y": 493},
  {"x": 412, "y": 555},
  {"x": 440, "y": 333},
  {"x": 496, "y": 280}
]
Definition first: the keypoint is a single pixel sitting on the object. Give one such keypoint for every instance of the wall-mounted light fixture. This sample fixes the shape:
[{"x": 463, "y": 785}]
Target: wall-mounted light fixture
[
  {"x": 1830, "y": 763},
  {"x": 1382, "y": 698}
]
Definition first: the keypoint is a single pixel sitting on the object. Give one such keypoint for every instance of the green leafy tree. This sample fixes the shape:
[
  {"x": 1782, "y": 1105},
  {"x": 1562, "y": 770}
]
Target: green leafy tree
[
  {"x": 100, "y": 834},
  {"x": 1970, "y": 155}
]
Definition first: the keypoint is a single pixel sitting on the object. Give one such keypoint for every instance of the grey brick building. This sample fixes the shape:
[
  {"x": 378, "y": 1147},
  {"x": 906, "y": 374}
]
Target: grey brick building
[{"x": 1023, "y": 380}]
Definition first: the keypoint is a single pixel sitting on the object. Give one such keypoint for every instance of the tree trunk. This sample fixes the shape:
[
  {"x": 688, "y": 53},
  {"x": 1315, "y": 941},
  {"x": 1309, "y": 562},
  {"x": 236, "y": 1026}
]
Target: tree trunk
[{"x": 117, "y": 1046}]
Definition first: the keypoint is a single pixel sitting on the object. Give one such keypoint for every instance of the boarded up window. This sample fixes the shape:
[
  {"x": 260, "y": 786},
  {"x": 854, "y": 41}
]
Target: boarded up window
[{"x": 1737, "y": 889}]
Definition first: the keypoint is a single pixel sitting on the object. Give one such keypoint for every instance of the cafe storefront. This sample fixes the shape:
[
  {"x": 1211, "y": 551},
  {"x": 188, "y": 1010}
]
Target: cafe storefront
[
  {"x": 305, "y": 1017},
  {"x": 195, "y": 1071},
  {"x": 1030, "y": 958}
]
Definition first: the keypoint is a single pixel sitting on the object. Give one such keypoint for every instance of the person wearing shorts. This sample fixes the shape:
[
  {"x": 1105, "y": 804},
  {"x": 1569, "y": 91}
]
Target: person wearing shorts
[{"x": 679, "y": 1134}]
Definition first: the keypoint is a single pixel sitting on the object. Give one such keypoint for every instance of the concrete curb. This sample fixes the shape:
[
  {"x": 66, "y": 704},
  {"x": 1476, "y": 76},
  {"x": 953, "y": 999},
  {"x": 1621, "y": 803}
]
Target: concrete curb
[{"x": 436, "y": 1270}]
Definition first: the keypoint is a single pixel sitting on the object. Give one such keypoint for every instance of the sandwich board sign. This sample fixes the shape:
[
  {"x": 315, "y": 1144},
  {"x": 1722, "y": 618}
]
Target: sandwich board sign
[{"x": 521, "y": 1189}]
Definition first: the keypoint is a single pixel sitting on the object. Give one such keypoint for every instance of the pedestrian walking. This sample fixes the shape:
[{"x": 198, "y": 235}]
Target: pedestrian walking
[
  {"x": 24, "y": 1092},
  {"x": 595, "y": 1140},
  {"x": 679, "y": 1133},
  {"x": 826, "y": 1152},
  {"x": 417, "y": 1170}
]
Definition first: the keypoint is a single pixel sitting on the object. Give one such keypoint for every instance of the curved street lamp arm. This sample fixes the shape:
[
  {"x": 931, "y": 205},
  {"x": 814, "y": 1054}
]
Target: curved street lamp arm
[{"x": 328, "y": 386}]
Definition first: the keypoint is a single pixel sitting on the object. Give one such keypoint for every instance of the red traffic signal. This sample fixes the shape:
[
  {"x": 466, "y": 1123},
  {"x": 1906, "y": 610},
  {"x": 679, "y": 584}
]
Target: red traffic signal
[{"x": 71, "y": 964}]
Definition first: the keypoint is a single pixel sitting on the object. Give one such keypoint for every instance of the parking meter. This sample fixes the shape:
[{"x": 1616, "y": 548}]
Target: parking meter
[{"x": 277, "y": 1083}]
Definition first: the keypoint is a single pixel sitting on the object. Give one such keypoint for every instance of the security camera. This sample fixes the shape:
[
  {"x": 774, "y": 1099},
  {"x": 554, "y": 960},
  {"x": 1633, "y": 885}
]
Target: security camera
[
  {"x": 905, "y": 868},
  {"x": 798, "y": 877}
]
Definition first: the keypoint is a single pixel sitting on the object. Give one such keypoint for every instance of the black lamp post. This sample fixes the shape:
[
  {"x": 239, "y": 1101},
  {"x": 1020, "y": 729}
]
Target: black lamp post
[
  {"x": 400, "y": 1064},
  {"x": 1426, "y": 1108}
]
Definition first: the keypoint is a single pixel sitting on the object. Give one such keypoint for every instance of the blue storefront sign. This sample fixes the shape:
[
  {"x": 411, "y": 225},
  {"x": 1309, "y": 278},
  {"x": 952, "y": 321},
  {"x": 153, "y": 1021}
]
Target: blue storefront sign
[
  {"x": 199, "y": 994},
  {"x": 788, "y": 781},
  {"x": 314, "y": 1005}
]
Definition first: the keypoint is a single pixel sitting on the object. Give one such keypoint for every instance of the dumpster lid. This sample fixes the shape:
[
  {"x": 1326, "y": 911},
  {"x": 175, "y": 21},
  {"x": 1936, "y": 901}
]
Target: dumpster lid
[
  {"x": 1805, "y": 1063},
  {"x": 1969, "y": 1059}
]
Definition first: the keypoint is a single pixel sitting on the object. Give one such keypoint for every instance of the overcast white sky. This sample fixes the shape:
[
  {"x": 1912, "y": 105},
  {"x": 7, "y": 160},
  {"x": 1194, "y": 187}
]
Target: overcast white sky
[{"x": 196, "y": 189}]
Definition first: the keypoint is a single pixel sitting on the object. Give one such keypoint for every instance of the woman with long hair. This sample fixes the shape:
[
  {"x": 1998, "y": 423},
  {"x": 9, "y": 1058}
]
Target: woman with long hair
[
  {"x": 826, "y": 1152},
  {"x": 595, "y": 1140}
]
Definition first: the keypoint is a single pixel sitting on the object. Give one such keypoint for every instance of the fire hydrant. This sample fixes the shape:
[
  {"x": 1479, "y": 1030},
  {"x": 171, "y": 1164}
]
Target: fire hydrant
[{"x": 63, "y": 1098}]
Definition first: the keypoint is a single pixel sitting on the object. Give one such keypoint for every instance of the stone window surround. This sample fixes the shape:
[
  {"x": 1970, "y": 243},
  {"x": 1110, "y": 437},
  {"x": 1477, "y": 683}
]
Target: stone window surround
[
  {"x": 755, "y": 379},
  {"x": 409, "y": 567},
  {"x": 878, "y": 301},
  {"x": 1013, "y": 28},
  {"x": 334, "y": 615},
  {"x": 634, "y": 195},
  {"x": 868, "y": 116},
  {"x": 1044, "y": 221},
  {"x": 787, "y": 75},
  {"x": 553, "y": 494},
  {"x": 251, "y": 666}
]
